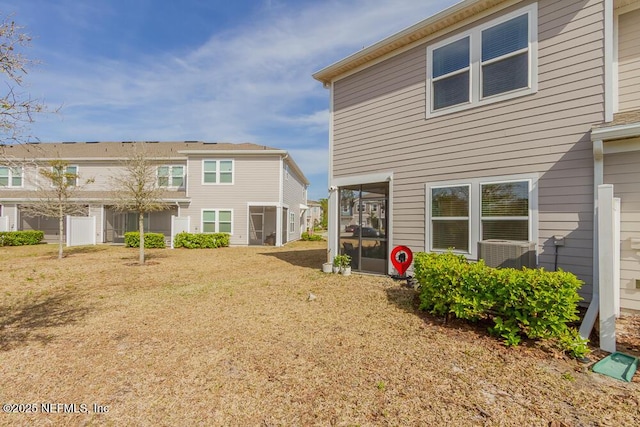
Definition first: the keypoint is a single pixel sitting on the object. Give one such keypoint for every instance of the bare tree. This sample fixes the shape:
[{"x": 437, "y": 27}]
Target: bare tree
[
  {"x": 137, "y": 190},
  {"x": 16, "y": 106},
  {"x": 55, "y": 194}
]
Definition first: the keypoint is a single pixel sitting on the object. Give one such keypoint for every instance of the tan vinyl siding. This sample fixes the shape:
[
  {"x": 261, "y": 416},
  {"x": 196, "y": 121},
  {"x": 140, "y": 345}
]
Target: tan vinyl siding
[
  {"x": 629, "y": 61},
  {"x": 255, "y": 179},
  {"x": 380, "y": 124},
  {"x": 622, "y": 171},
  {"x": 293, "y": 197}
]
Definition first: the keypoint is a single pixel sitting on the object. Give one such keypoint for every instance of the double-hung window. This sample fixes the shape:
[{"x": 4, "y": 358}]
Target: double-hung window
[
  {"x": 450, "y": 217},
  {"x": 217, "y": 171},
  {"x": 217, "y": 221},
  {"x": 489, "y": 63},
  {"x": 171, "y": 176},
  {"x": 292, "y": 222},
  {"x": 64, "y": 175},
  {"x": 71, "y": 175},
  {"x": 10, "y": 176},
  {"x": 462, "y": 213}
]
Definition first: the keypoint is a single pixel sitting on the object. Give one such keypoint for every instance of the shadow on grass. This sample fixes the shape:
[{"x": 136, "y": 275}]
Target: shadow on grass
[
  {"x": 406, "y": 298},
  {"x": 311, "y": 258},
  {"x": 83, "y": 249},
  {"x": 30, "y": 320}
]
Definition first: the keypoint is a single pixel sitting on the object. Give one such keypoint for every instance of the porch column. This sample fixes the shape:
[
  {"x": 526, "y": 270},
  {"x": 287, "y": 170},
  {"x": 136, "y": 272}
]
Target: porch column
[
  {"x": 279, "y": 226},
  {"x": 333, "y": 223},
  {"x": 606, "y": 245}
]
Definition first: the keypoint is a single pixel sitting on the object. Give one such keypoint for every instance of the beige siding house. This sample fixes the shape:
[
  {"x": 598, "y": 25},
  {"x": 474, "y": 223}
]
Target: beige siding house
[
  {"x": 212, "y": 187},
  {"x": 480, "y": 123}
]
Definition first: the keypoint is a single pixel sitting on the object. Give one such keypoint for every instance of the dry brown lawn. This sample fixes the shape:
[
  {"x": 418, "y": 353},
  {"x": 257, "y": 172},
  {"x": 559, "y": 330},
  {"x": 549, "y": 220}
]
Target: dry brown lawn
[{"x": 228, "y": 337}]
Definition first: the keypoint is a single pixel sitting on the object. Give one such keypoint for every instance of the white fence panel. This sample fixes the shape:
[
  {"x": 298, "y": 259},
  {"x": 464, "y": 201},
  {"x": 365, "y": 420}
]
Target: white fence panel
[
  {"x": 179, "y": 225},
  {"x": 81, "y": 230}
]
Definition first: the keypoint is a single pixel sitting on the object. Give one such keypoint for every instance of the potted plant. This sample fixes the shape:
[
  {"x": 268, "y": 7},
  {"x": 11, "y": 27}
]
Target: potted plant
[
  {"x": 345, "y": 265},
  {"x": 337, "y": 262},
  {"x": 342, "y": 264}
]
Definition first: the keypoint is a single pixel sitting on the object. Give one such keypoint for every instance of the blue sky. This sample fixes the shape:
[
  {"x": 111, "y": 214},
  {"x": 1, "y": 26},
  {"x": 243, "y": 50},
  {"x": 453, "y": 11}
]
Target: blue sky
[{"x": 210, "y": 70}]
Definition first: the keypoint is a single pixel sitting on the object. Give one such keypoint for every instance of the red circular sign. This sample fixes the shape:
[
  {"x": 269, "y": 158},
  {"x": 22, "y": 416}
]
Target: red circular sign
[{"x": 401, "y": 258}]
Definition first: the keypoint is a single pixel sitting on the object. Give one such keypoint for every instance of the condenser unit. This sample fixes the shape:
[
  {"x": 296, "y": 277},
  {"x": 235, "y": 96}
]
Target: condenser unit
[{"x": 507, "y": 253}]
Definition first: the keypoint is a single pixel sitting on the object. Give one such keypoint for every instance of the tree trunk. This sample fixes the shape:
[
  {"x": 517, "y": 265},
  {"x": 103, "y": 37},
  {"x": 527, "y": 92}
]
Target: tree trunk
[
  {"x": 141, "y": 228},
  {"x": 60, "y": 230}
]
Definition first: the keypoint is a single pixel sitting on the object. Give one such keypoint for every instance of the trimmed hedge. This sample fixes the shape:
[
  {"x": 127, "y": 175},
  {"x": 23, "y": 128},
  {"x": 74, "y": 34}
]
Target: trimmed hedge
[
  {"x": 311, "y": 237},
  {"x": 21, "y": 238},
  {"x": 534, "y": 303},
  {"x": 151, "y": 240},
  {"x": 201, "y": 240}
]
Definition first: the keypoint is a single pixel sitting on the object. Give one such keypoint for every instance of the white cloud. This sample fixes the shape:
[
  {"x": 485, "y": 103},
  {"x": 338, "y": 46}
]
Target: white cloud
[{"x": 252, "y": 83}]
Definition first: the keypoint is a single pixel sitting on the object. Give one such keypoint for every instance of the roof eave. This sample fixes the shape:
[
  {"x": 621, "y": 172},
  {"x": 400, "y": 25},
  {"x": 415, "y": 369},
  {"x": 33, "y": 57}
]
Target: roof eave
[{"x": 430, "y": 25}]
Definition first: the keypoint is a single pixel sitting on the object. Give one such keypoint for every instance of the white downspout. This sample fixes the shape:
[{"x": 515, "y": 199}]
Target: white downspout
[{"x": 333, "y": 210}]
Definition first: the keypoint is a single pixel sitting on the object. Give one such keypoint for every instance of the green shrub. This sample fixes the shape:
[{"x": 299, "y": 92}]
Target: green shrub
[
  {"x": 151, "y": 240},
  {"x": 201, "y": 240},
  {"x": 533, "y": 303},
  {"x": 311, "y": 237},
  {"x": 21, "y": 238}
]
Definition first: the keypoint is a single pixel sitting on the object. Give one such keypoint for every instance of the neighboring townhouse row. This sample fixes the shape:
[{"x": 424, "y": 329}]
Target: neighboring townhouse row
[
  {"x": 493, "y": 120},
  {"x": 255, "y": 193}
]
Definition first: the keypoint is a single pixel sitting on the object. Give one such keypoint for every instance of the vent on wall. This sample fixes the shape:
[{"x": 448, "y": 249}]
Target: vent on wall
[{"x": 507, "y": 253}]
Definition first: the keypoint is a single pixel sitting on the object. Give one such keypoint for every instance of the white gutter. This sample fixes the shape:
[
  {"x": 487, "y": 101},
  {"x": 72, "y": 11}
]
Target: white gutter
[
  {"x": 232, "y": 152},
  {"x": 615, "y": 132}
]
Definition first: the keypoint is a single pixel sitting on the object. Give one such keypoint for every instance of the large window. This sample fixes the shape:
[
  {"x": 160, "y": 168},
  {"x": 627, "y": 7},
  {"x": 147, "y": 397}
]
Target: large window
[
  {"x": 10, "y": 176},
  {"x": 463, "y": 213},
  {"x": 492, "y": 62},
  {"x": 450, "y": 218},
  {"x": 217, "y": 221},
  {"x": 505, "y": 211},
  {"x": 217, "y": 171},
  {"x": 171, "y": 176}
]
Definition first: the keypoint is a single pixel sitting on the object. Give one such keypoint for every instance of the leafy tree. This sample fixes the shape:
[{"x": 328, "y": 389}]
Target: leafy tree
[
  {"x": 16, "y": 106},
  {"x": 324, "y": 205},
  {"x": 55, "y": 196},
  {"x": 136, "y": 190}
]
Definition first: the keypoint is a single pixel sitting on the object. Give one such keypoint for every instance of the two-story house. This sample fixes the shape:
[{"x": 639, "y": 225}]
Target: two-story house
[
  {"x": 494, "y": 120},
  {"x": 255, "y": 193}
]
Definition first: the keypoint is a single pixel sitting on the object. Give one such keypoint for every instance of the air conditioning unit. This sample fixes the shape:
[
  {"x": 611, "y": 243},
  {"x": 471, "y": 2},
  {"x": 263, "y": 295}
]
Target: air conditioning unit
[{"x": 507, "y": 253}]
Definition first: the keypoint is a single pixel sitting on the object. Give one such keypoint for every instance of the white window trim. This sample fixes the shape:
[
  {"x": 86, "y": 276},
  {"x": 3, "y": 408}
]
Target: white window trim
[
  {"x": 233, "y": 171},
  {"x": 77, "y": 173},
  {"x": 10, "y": 176},
  {"x": 292, "y": 222},
  {"x": 449, "y": 218},
  {"x": 217, "y": 211},
  {"x": 170, "y": 176},
  {"x": 475, "y": 68},
  {"x": 475, "y": 211}
]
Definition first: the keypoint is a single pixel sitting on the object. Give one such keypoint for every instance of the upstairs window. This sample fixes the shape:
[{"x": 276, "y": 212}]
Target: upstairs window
[
  {"x": 71, "y": 175},
  {"x": 171, "y": 176},
  {"x": 64, "y": 175},
  {"x": 493, "y": 62},
  {"x": 451, "y": 74},
  {"x": 505, "y": 56},
  {"x": 10, "y": 176},
  {"x": 217, "y": 172}
]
